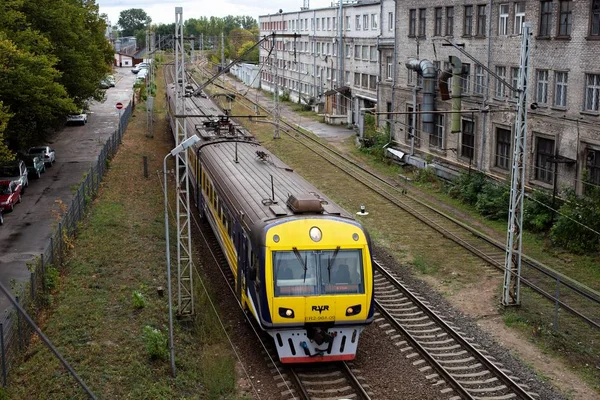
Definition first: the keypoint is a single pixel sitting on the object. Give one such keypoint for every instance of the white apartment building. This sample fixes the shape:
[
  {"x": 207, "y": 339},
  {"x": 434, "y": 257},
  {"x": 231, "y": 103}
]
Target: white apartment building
[{"x": 326, "y": 57}]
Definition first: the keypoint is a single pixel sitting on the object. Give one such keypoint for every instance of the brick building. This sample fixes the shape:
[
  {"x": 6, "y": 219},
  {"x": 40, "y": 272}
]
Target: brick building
[{"x": 563, "y": 87}]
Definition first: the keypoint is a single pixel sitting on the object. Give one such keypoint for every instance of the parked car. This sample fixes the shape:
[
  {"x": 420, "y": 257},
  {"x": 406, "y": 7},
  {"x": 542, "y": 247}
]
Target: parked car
[
  {"x": 104, "y": 84},
  {"x": 35, "y": 165},
  {"x": 111, "y": 80},
  {"x": 46, "y": 153},
  {"x": 140, "y": 66},
  {"x": 15, "y": 171},
  {"x": 10, "y": 194},
  {"x": 79, "y": 118}
]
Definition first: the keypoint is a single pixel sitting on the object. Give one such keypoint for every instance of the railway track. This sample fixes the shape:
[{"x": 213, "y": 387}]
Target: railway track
[
  {"x": 470, "y": 373},
  {"x": 568, "y": 294}
]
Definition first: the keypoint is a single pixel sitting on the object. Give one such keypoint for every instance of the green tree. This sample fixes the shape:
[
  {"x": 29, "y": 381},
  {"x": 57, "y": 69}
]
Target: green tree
[
  {"x": 5, "y": 153},
  {"x": 132, "y": 20},
  {"x": 252, "y": 56}
]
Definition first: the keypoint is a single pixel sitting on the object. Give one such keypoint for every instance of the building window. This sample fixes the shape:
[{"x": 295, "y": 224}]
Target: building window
[
  {"x": 503, "y": 20},
  {"x": 592, "y": 90},
  {"x": 478, "y": 89},
  {"x": 357, "y": 22},
  {"x": 449, "y": 21},
  {"x": 373, "y": 55},
  {"x": 411, "y": 123},
  {"x": 502, "y": 148},
  {"x": 541, "y": 86},
  {"x": 412, "y": 22},
  {"x": 318, "y": 24},
  {"x": 592, "y": 165},
  {"x": 422, "y": 22},
  {"x": 347, "y": 51},
  {"x": 543, "y": 166},
  {"x": 373, "y": 82},
  {"x": 410, "y": 77},
  {"x": 514, "y": 74},
  {"x": 481, "y": 20},
  {"x": 365, "y": 53},
  {"x": 364, "y": 81},
  {"x": 500, "y": 88},
  {"x": 437, "y": 31},
  {"x": 347, "y": 22},
  {"x": 545, "y": 18},
  {"x": 466, "y": 78},
  {"x": 374, "y": 21},
  {"x": 468, "y": 25},
  {"x": 467, "y": 145},
  {"x": 519, "y": 18},
  {"x": 366, "y": 22},
  {"x": 347, "y": 80},
  {"x": 595, "y": 18},
  {"x": 436, "y": 139},
  {"x": 560, "y": 90},
  {"x": 390, "y": 21},
  {"x": 389, "y": 68},
  {"x": 565, "y": 18},
  {"x": 357, "y": 79},
  {"x": 357, "y": 52}
]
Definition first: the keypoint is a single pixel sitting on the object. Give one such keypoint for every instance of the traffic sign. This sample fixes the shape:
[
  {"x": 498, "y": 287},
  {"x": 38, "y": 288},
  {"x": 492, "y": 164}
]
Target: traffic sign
[{"x": 119, "y": 105}]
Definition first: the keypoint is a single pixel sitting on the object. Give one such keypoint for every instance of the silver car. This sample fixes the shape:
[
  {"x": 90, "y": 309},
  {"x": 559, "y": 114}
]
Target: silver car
[
  {"x": 46, "y": 153},
  {"x": 15, "y": 171}
]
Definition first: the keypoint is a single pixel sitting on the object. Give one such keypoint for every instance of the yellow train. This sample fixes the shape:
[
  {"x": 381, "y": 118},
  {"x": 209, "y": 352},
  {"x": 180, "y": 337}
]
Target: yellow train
[{"x": 302, "y": 264}]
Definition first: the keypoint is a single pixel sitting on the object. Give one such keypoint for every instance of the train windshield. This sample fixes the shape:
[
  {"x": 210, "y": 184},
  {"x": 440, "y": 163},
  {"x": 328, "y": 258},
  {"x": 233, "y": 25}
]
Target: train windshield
[{"x": 310, "y": 272}]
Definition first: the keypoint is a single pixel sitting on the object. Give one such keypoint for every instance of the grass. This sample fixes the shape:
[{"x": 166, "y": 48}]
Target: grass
[{"x": 97, "y": 316}]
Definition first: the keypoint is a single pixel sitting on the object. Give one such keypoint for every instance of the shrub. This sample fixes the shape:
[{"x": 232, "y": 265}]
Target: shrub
[
  {"x": 568, "y": 231},
  {"x": 156, "y": 343},
  {"x": 139, "y": 301},
  {"x": 285, "y": 96},
  {"x": 426, "y": 175},
  {"x": 467, "y": 186},
  {"x": 537, "y": 217},
  {"x": 493, "y": 201}
]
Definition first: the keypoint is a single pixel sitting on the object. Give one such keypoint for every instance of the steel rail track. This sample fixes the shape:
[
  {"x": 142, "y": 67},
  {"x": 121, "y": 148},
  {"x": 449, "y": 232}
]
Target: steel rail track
[
  {"x": 479, "y": 244},
  {"x": 451, "y": 358}
]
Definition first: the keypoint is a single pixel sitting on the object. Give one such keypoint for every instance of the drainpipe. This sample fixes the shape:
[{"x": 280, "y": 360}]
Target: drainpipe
[
  {"x": 427, "y": 70},
  {"x": 487, "y": 90},
  {"x": 393, "y": 124}
]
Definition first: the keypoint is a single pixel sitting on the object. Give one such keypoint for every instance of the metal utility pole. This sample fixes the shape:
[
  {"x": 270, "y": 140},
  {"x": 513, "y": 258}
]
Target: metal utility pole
[
  {"x": 185, "y": 299},
  {"x": 511, "y": 295},
  {"x": 276, "y": 94},
  {"x": 222, "y": 50},
  {"x": 340, "y": 59}
]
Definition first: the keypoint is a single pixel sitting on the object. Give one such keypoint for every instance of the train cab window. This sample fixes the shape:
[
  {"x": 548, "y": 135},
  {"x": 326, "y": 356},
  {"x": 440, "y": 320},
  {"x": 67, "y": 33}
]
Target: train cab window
[
  {"x": 301, "y": 273},
  {"x": 342, "y": 272},
  {"x": 295, "y": 273}
]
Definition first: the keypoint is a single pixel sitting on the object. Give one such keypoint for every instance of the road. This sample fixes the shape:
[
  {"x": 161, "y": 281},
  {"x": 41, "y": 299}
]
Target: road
[{"x": 26, "y": 231}]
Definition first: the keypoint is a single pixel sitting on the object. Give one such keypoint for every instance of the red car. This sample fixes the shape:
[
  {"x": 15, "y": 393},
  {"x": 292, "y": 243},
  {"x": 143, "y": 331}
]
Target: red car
[{"x": 10, "y": 194}]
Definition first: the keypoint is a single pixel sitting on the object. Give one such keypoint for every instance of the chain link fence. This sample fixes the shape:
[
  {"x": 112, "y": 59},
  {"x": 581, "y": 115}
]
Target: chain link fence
[{"x": 44, "y": 271}]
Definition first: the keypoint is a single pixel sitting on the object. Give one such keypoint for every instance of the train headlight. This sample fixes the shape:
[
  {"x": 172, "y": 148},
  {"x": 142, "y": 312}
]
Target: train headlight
[
  {"x": 276, "y": 238},
  {"x": 315, "y": 234},
  {"x": 353, "y": 310},
  {"x": 286, "y": 312},
  {"x": 355, "y": 237}
]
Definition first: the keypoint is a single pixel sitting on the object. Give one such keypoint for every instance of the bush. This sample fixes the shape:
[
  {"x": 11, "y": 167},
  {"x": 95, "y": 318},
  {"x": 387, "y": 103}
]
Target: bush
[
  {"x": 493, "y": 201},
  {"x": 156, "y": 343},
  {"x": 426, "y": 175},
  {"x": 285, "y": 96},
  {"x": 568, "y": 231},
  {"x": 52, "y": 278},
  {"x": 537, "y": 217},
  {"x": 467, "y": 187}
]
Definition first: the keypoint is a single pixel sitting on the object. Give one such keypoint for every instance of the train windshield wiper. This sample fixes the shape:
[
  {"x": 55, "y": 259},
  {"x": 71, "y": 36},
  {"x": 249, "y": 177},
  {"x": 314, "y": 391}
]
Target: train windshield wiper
[
  {"x": 302, "y": 262},
  {"x": 331, "y": 260}
]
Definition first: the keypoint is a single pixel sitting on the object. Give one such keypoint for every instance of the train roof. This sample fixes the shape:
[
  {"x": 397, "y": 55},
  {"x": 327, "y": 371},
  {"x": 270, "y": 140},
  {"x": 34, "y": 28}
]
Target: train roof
[
  {"x": 260, "y": 185},
  {"x": 253, "y": 180}
]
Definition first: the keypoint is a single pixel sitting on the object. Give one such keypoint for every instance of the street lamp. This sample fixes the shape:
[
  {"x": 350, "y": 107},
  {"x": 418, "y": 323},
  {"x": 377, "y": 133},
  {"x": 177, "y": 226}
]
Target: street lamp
[{"x": 182, "y": 146}]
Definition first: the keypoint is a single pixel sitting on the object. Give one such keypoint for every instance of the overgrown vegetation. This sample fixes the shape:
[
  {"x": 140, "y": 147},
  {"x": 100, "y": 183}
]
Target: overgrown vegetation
[
  {"x": 571, "y": 227},
  {"x": 374, "y": 140}
]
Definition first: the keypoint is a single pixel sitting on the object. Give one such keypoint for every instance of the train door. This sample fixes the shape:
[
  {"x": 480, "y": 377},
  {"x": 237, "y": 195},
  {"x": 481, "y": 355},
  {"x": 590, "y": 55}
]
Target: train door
[{"x": 242, "y": 262}]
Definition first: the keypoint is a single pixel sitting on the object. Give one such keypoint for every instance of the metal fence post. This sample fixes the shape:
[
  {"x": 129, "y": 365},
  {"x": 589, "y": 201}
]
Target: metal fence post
[
  {"x": 43, "y": 261},
  {"x": 20, "y": 336},
  {"x": 60, "y": 241},
  {"x": 32, "y": 283},
  {"x": 3, "y": 354},
  {"x": 52, "y": 249},
  {"x": 556, "y": 304}
]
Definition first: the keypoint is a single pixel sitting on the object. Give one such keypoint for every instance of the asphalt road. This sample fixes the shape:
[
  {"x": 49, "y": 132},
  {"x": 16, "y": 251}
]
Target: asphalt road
[{"x": 26, "y": 231}]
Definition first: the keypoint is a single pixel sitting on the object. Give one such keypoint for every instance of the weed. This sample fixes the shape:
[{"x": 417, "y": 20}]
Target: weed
[
  {"x": 139, "y": 301},
  {"x": 156, "y": 343},
  {"x": 423, "y": 265},
  {"x": 52, "y": 278}
]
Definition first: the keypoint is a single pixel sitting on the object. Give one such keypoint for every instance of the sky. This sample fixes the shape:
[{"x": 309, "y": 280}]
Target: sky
[{"x": 163, "y": 11}]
